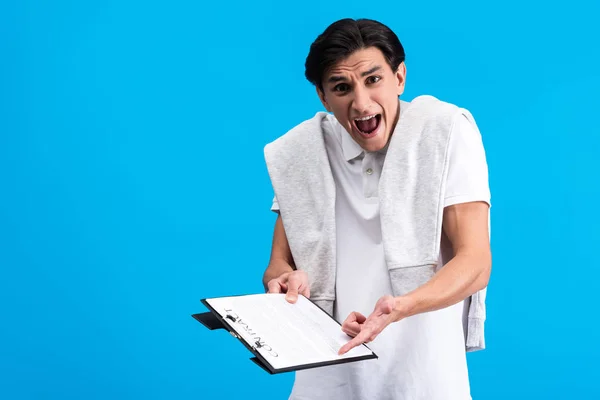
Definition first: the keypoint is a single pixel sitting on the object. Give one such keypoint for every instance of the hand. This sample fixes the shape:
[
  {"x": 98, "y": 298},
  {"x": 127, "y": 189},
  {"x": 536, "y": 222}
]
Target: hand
[
  {"x": 291, "y": 283},
  {"x": 365, "y": 329}
]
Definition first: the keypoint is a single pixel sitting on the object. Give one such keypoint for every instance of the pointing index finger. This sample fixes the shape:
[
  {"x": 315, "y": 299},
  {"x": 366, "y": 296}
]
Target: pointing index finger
[{"x": 357, "y": 341}]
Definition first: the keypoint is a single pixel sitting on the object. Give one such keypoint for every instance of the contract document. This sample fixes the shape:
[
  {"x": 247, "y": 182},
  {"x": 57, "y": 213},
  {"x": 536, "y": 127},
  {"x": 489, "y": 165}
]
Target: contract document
[{"x": 283, "y": 336}]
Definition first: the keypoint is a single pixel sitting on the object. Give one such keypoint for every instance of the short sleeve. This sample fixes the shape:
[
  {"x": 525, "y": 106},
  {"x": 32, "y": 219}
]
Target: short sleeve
[
  {"x": 467, "y": 178},
  {"x": 275, "y": 206}
]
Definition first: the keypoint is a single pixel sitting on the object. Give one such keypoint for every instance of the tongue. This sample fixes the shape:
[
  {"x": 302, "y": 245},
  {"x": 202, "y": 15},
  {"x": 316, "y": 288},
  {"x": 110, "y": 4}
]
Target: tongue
[{"x": 367, "y": 126}]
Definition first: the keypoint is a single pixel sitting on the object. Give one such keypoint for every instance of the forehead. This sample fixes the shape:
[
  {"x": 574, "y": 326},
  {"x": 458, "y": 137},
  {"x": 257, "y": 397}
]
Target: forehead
[{"x": 359, "y": 61}]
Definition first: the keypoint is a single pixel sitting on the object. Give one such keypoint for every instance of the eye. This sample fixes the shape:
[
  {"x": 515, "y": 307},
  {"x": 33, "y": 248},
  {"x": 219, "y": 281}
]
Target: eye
[
  {"x": 342, "y": 87},
  {"x": 373, "y": 79}
]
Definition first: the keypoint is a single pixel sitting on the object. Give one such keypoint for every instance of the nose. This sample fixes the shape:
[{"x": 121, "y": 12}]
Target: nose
[{"x": 362, "y": 101}]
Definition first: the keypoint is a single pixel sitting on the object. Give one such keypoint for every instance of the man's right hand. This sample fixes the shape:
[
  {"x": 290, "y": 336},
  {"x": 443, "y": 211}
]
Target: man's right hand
[{"x": 292, "y": 284}]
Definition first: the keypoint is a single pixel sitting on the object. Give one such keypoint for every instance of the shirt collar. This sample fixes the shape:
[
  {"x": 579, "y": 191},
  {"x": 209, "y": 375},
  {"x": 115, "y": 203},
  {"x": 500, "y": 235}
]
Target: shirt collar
[{"x": 350, "y": 148}]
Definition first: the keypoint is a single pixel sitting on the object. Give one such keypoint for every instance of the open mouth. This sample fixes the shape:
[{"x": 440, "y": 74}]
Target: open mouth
[{"x": 368, "y": 126}]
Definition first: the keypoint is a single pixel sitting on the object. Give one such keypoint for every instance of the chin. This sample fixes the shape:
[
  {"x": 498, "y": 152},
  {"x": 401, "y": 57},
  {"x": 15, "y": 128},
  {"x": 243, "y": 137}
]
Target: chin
[
  {"x": 371, "y": 147},
  {"x": 376, "y": 144}
]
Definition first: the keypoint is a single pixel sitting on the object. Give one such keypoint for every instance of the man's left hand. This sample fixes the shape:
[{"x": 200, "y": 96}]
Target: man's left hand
[{"x": 365, "y": 330}]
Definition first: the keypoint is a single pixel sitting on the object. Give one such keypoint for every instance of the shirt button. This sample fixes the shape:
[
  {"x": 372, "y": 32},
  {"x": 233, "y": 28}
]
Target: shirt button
[{"x": 369, "y": 171}]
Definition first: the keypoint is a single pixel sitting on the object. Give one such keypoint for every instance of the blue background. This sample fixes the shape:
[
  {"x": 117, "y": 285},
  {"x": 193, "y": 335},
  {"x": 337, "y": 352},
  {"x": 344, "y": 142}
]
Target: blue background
[{"x": 133, "y": 184}]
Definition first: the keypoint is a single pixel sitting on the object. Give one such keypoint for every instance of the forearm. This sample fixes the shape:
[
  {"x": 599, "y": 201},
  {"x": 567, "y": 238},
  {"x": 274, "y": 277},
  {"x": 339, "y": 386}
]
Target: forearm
[
  {"x": 464, "y": 275},
  {"x": 281, "y": 255}
]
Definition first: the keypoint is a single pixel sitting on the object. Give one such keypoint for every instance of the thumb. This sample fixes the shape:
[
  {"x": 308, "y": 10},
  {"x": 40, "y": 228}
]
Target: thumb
[
  {"x": 293, "y": 288},
  {"x": 386, "y": 305},
  {"x": 292, "y": 294}
]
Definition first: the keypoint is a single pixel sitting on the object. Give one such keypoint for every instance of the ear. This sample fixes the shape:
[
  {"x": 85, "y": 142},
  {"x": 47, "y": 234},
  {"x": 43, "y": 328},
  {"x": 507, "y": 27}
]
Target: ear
[
  {"x": 401, "y": 78},
  {"x": 322, "y": 98}
]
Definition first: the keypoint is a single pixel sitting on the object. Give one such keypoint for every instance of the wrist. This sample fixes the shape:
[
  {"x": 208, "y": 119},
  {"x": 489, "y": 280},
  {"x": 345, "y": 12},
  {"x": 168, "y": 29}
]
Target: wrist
[
  {"x": 275, "y": 269},
  {"x": 279, "y": 267},
  {"x": 404, "y": 306}
]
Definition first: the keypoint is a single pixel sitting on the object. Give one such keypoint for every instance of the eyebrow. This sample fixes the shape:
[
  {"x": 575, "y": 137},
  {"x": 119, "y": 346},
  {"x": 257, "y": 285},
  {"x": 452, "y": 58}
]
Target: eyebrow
[{"x": 337, "y": 78}]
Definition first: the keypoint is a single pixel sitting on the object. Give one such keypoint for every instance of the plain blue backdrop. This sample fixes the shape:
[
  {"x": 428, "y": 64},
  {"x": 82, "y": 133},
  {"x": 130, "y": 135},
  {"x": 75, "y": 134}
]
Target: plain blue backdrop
[{"x": 133, "y": 184}]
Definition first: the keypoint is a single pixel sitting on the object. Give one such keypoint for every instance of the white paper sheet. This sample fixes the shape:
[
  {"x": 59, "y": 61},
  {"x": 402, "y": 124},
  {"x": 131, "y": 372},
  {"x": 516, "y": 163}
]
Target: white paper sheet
[{"x": 286, "y": 335}]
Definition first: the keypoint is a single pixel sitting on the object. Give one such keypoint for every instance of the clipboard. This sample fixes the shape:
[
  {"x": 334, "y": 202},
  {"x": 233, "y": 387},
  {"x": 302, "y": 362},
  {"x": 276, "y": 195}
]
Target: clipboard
[{"x": 213, "y": 320}]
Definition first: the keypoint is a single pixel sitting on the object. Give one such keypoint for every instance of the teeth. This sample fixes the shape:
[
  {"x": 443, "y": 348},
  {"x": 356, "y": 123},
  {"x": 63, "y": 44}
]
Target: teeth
[{"x": 365, "y": 118}]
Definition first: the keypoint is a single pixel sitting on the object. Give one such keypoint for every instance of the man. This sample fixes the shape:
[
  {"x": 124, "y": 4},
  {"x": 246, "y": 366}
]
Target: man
[{"x": 357, "y": 193}]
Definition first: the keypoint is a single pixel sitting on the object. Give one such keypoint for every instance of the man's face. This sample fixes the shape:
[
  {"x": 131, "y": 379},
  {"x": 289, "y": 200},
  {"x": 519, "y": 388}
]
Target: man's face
[{"x": 362, "y": 93}]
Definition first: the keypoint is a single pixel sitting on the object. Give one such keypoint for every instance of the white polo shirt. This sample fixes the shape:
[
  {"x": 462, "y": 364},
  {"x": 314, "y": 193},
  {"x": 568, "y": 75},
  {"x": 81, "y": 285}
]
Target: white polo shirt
[{"x": 421, "y": 357}]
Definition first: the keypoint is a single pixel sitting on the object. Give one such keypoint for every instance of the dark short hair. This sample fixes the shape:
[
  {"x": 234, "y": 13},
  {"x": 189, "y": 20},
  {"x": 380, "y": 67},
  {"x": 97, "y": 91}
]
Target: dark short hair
[{"x": 343, "y": 38}]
